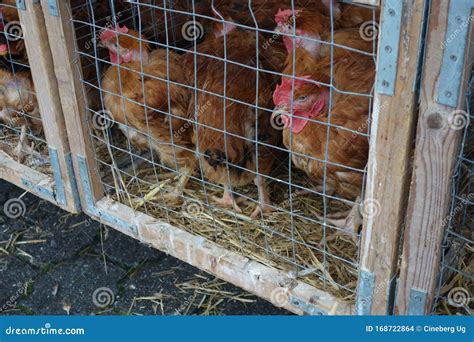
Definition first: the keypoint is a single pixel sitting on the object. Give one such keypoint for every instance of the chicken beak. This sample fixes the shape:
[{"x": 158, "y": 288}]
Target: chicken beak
[{"x": 280, "y": 118}]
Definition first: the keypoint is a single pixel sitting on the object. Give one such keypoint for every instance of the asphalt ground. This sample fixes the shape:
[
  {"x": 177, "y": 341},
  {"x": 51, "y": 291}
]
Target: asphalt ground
[{"x": 56, "y": 263}]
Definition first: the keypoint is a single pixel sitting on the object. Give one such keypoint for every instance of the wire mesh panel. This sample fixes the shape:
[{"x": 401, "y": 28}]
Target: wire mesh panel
[
  {"x": 243, "y": 123},
  {"x": 456, "y": 279},
  {"x": 33, "y": 145},
  {"x": 22, "y": 136}
]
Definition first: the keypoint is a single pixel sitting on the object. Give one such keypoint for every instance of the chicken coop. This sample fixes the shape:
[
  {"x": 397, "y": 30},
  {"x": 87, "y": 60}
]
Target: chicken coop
[
  {"x": 34, "y": 148},
  {"x": 317, "y": 153}
]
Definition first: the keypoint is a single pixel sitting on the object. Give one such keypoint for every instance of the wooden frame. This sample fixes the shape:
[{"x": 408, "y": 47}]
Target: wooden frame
[
  {"x": 392, "y": 132},
  {"x": 59, "y": 188},
  {"x": 389, "y": 166},
  {"x": 436, "y": 150}
]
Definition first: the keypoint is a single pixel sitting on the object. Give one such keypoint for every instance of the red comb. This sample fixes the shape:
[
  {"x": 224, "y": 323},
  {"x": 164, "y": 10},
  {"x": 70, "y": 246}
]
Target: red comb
[
  {"x": 283, "y": 92},
  {"x": 284, "y": 15},
  {"x": 108, "y": 34},
  {"x": 3, "y": 47}
]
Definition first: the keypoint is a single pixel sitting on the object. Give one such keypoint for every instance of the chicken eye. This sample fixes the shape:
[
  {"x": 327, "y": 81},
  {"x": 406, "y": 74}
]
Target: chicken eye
[{"x": 302, "y": 98}]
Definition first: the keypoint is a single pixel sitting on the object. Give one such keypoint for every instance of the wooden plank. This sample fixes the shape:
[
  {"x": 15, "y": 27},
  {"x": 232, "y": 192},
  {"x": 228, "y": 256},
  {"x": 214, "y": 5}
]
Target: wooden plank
[
  {"x": 41, "y": 65},
  {"x": 67, "y": 68},
  {"x": 389, "y": 166},
  {"x": 16, "y": 173},
  {"x": 437, "y": 146},
  {"x": 273, "y": 285}
]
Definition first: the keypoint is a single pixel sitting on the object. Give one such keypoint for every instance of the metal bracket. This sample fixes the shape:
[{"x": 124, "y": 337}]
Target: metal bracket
[
  {"x": 53, "y": 7},
  {"x": 306, "y": 307},
  {"x": 388, "y": 47},
  {"x": 365, "y": 293},
  {"x": 90, "y": 203},
  {"x": 21, "y": 5},
  {"x": 417, "y": 302},
  {"x": 39, "y": 189},
  {"x": 454, "y": 46}
]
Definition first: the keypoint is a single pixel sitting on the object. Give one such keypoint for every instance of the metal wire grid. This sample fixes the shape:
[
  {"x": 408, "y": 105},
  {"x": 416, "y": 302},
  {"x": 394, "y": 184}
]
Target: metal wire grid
[
  {"x": 19, "y": 121},
  {"x": 455, "y": 288},
  {"x": 124, "y": 167}
]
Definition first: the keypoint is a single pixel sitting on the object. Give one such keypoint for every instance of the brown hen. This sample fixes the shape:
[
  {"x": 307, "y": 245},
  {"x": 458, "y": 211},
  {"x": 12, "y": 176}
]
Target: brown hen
[
  {"x": 232, "y": 131},
  {"x": 306, "y": 118},
  {"x": 147, "y": 107}
]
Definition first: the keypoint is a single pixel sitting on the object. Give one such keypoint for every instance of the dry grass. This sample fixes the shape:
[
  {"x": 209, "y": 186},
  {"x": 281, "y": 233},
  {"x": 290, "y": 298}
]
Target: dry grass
[
  {"x": 283, "y": 241},
  {"x": 36, "y": 156}
]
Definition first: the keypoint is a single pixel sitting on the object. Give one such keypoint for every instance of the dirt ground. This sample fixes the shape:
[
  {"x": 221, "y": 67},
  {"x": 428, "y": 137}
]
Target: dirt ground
[{"x": 55, "y": 263}]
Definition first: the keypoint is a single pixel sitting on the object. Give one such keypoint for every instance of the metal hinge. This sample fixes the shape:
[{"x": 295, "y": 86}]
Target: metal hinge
[
  {"x": 454, "y": 49},
  {"x": 365, "y": 293},
  {"x": 388, "y": 47},
  {"x": 38, "y": 189},
  {"x": 417, "y": 302},
  {"x": 90, "y": 203},
  {"x": 21, "y": 5},
  {"x": 53, "y": 7},
  {"x": 307, "y": 308}
]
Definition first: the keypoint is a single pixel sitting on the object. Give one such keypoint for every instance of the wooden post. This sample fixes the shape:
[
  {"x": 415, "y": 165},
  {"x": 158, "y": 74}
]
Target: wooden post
[
  {"x": 46, "y": 88},
  {"x": 62, "y": 40},
  {"x": 389, "y": 167},
  {"x": 437, "y": 144}
]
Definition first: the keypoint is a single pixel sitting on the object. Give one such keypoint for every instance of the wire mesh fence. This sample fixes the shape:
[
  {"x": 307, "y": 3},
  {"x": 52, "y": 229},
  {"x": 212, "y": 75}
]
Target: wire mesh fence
[
  {"x": 455, "y": 288},
  {"x": 244, "y": 123},
  {"x": 21, "y": 130}
]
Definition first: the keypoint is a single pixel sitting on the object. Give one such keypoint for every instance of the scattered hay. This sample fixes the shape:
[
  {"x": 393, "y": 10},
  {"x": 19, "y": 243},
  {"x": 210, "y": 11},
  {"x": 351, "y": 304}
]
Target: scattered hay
[
  {"x": 36, "y": 157},
  {"x": 291, "y": 243}
]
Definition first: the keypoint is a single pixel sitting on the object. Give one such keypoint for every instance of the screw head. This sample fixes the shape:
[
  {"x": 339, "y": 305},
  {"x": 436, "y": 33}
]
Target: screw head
[
  {"x": 391, "y": 11},
  {"x": 388, "y": 48},
  {"x": 454, "y": 58},
  {"x": 448, "y": 94}
]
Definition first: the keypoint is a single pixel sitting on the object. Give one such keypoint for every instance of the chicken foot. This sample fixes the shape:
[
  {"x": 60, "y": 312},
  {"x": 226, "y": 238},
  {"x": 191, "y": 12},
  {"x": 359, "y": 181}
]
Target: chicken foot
[
  {"x": 348, "y": 222},
  {"x": 265, "y": 205},
  {"x": 228, "y": 200}
]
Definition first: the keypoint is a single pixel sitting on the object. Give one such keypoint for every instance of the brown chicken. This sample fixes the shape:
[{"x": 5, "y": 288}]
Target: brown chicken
[
  {"x": 175, "y": 25},
  {"x": 228, "y": 130},
  {"x": 346, "y": 142},
  {"x": 19, "y": 108},
  {"x": 265, "y": 10},
  {"x": 158, "y": 125},
  {"x": 311, "y": 26}
]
